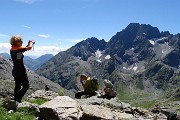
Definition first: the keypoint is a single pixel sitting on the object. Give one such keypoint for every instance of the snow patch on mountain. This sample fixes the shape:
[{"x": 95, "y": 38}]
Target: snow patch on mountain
[
  {"x": 152, "y": 42},
  {"x": 133, "y": 67},
  {"x": 99, "y": 57},
  {"x": 107, "y": 57},
  {"x": 98, "y": 54},
  {"x": 163, "y": 38}
]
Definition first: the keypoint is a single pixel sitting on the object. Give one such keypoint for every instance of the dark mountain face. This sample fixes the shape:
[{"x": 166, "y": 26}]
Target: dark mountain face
[
  {"x": 135, "y": 51},
  {"x": 134, "y": 36},
  {"x": 173, "y": 58}
]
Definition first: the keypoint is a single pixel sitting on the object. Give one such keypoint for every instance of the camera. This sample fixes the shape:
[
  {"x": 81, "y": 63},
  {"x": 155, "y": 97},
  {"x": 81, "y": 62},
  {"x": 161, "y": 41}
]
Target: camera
[{"x": 32, "y": 42}]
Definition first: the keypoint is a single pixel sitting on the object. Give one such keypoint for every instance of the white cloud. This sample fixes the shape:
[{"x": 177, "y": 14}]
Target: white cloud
[
  {"x": 41, "y": 50},
  {"x": 44, "y": 36},
  {"x": 26, "y": 26},
  {"x": 5, "y": 47},
  {"x": 28, "y": 1}
]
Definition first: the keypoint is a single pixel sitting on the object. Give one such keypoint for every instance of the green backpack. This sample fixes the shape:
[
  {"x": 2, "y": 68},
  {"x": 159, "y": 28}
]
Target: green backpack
[{"x": 92, "y": 85}]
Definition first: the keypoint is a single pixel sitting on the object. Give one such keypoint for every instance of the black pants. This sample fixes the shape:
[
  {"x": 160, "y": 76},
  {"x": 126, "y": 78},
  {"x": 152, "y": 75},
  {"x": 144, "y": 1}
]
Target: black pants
[
  {"x": 79, "y": 94},
  {"x": 21, "y": 85}
]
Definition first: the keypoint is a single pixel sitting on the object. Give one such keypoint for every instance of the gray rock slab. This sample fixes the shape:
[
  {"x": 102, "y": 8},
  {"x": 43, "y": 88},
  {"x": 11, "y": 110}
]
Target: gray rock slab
[{"x": 61, "y": 107}]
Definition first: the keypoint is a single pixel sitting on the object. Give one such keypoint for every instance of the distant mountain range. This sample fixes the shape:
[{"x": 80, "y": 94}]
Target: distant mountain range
[
  {"x": 139, "y": 57},
  {"x": 32, "y": 64}
]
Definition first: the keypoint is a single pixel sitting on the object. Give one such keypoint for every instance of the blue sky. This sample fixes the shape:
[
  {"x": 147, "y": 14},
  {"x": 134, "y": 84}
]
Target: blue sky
[{"x": 56, "y": 25}]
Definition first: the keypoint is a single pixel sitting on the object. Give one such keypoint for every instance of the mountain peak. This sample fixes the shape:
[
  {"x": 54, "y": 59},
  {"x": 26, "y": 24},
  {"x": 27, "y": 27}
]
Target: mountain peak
[
  {"x": 133, "y": 25},
  {"x": 129, "y": 37},
  {"x": 145, "y": 30},
  {"x": 85, "y": 48}
]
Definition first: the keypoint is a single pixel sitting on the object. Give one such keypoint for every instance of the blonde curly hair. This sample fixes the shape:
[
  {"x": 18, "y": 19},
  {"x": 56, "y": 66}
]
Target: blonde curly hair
[{"x": 15, "y": 39}]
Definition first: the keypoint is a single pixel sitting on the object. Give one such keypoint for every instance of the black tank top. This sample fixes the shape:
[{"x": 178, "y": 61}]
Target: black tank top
[{"x": 17, "y": 58}]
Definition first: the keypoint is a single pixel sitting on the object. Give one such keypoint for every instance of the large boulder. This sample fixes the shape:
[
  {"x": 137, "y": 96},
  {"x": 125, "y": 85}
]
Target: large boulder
[
  {"x": 112, "y": 104},
  {"x": 61, "y": 107},
  {"x": 94, "y": 112}
]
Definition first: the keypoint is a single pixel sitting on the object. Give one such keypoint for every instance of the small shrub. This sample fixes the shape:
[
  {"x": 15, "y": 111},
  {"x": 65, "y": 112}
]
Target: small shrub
[{"x": 61, "y": 92}]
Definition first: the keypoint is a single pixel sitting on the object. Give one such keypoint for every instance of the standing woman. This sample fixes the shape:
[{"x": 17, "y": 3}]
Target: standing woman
[{"x": 19, "y": 71}]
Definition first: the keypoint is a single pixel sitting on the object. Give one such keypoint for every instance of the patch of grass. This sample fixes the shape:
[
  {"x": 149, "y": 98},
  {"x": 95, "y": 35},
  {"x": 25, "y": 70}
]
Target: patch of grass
[
  {"x": 38, "y": 101},
  {"x": 123, "y": 92},
  {"x": 146, "y": 104},
  {"x": 4, "y": 115},
  {"x": 22, "y": 114},
  {"x": 136, "y": 96}
]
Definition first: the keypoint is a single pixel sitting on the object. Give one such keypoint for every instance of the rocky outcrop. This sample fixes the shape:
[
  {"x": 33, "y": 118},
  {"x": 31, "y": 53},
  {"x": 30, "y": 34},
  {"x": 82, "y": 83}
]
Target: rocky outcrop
[
  {"x": 5, "y": 68},
  {"x": 93, "y": 108},
  {"x": 48, "y": 95},
  {"x": 64, "y": 107}
]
